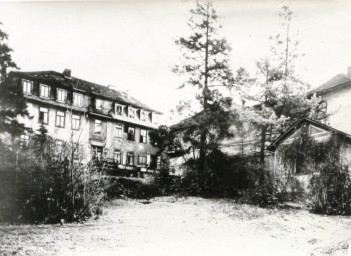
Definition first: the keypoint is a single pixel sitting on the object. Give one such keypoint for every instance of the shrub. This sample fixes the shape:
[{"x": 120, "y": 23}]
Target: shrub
[
  {"x": 131, "y": 187},
  {"x": 264, "y": 194},
  {"x": 37, "y": 185},
  {"x": 223, "y": 176},
  {"x": 330, "y": 190},
  {"x": 330, "y": 186}
]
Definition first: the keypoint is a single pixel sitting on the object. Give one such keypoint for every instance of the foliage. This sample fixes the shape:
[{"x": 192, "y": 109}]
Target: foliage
[
  {"x": 265, "y": 194},
  {"x": 226, "y": 176},
  {"x": 331, "y": 190},
  {"x": 330, "y": 184},
  {"x": 5, "y": 56},
  {"x": 278, "y": 95},
  {"x": 132, "y": 188},
  {"x": 11, "y": 95},
  {"x": 161, "y": 138},
  {"x": 36, "y": 183},
  {"x": 206, "y": 68}
]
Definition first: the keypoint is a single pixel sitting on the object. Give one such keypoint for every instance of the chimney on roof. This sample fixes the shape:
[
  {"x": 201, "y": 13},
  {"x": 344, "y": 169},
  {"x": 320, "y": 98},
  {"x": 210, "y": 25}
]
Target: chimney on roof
[
  {"x": 349, "y": 72},
  {"x": 126, "y": 94},
  {"x": 67, "y": 73}
]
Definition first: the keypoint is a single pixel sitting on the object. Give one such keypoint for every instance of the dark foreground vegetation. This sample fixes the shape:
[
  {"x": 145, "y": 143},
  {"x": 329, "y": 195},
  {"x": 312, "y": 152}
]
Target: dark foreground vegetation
[
  {"x": 37, "y": 187},
  {"x": 48, "y": 184}
]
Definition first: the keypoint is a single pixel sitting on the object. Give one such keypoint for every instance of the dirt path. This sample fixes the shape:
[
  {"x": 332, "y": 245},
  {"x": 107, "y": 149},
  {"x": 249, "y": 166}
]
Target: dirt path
[{"x": 192, "y": 226}]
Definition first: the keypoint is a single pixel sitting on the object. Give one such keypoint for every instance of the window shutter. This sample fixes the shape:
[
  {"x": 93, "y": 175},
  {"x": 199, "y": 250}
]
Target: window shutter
[
  {"x": 124, "y": 158},
  {"x": 148, "y": 159},
  {"x": 126, "y": 128}
]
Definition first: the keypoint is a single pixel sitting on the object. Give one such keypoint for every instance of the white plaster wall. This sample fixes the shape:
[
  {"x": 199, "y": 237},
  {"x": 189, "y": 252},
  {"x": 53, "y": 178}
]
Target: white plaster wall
[
  {"x": 339, "y": 106},
  {"x": 66, "y": 133}
]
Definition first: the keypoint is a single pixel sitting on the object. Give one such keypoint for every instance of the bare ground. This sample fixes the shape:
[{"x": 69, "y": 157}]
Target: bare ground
[{"x": 185, "y": 226}]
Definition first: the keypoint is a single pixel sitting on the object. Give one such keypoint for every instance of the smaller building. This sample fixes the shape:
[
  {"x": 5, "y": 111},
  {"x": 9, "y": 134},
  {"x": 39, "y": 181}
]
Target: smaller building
[{"x": 297, "y": 179}]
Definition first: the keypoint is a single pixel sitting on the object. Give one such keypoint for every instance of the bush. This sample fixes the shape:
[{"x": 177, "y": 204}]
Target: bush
[
  {"x": 330, "y": 190},
  {"x": 131, "y": 187},
  {"x": 330, "y": 185},
  {"x": 264, "y": 194},
  {"x": 39, "y": 186},
  {"x": 223, "y": 176}
]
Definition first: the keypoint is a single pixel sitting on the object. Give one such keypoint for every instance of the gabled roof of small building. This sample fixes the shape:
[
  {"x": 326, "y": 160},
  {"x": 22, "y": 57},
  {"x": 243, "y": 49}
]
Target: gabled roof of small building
[
  {"x": 297, "y": 125},
  {"x": 187, "y": 122},
  {"x": 337, "y": 82},
  {"x": 193, "y": 120},
  {"x": 56, "y": 78}
]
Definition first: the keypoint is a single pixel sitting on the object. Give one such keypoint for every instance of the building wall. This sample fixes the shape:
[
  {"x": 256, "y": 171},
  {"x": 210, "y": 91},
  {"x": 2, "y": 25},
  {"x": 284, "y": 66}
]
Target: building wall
[
  {"x": 124, "y": 145},
  {"x": 338, "y": 109},
  {"x": 85, "y": 136},
  {"x": 298, "y": 182},
  {"x": 66, "y": 133}
]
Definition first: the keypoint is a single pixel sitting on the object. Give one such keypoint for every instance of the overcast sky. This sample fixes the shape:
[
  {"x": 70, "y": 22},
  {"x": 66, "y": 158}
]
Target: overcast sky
[{"x": 130, "y": 44}]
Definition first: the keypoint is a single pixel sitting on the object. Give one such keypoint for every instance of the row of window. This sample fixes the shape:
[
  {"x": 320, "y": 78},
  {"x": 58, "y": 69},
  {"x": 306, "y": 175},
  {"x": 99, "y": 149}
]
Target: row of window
[
  {"x": 119, "y": 131},
  {"x": 143, "y": 160},
  {"x": 61, "y": 96},
  {"x": 60, "y": 118},
  {"x": 120, "y": 110},
  {"x": 45, "y": 90},
  {"x": 76, "y": 120},
  {"x": 24, "y": 141}
]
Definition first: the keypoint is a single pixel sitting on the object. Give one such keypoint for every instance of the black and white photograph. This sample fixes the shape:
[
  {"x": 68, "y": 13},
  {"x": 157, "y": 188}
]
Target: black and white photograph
[{"x": 175, "y": 128}]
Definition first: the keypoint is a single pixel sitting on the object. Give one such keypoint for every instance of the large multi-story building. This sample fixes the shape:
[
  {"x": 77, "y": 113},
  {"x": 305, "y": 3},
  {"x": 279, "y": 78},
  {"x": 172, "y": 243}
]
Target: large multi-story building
[{"x": 106, "y": 123}]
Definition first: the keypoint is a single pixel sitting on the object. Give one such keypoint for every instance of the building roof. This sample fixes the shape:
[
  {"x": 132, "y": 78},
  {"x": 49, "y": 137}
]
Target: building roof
[
  {"x": 338, "y": 81},
  {"x": 187, "y": 122},
  {"x": 298, "y": 124},
  {"x": 53, "y": 77},
  {"x": 193, "y": 120}
]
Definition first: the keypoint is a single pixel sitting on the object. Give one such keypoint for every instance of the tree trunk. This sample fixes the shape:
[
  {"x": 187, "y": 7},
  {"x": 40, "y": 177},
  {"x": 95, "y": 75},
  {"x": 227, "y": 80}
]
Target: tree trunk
[
  {"x": 72, "y": 180},
  {"x": 263, "y": 145},
  {"x": 202, "y": 156},
  {"x": 262, "y": 156}
]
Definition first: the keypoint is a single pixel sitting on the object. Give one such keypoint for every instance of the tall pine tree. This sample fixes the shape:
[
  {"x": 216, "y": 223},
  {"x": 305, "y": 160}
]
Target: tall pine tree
[
  {"x": 278, "y": 92},
  {"x": 12, "y": 103},
  {"x": 205, "y": 66}
]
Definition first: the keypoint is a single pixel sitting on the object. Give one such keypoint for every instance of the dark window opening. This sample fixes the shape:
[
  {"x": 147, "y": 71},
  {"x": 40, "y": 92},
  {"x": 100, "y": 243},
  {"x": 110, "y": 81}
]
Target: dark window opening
[
  {"x": 131, "y": 133},
  {"x": 130, "y": 159}
]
